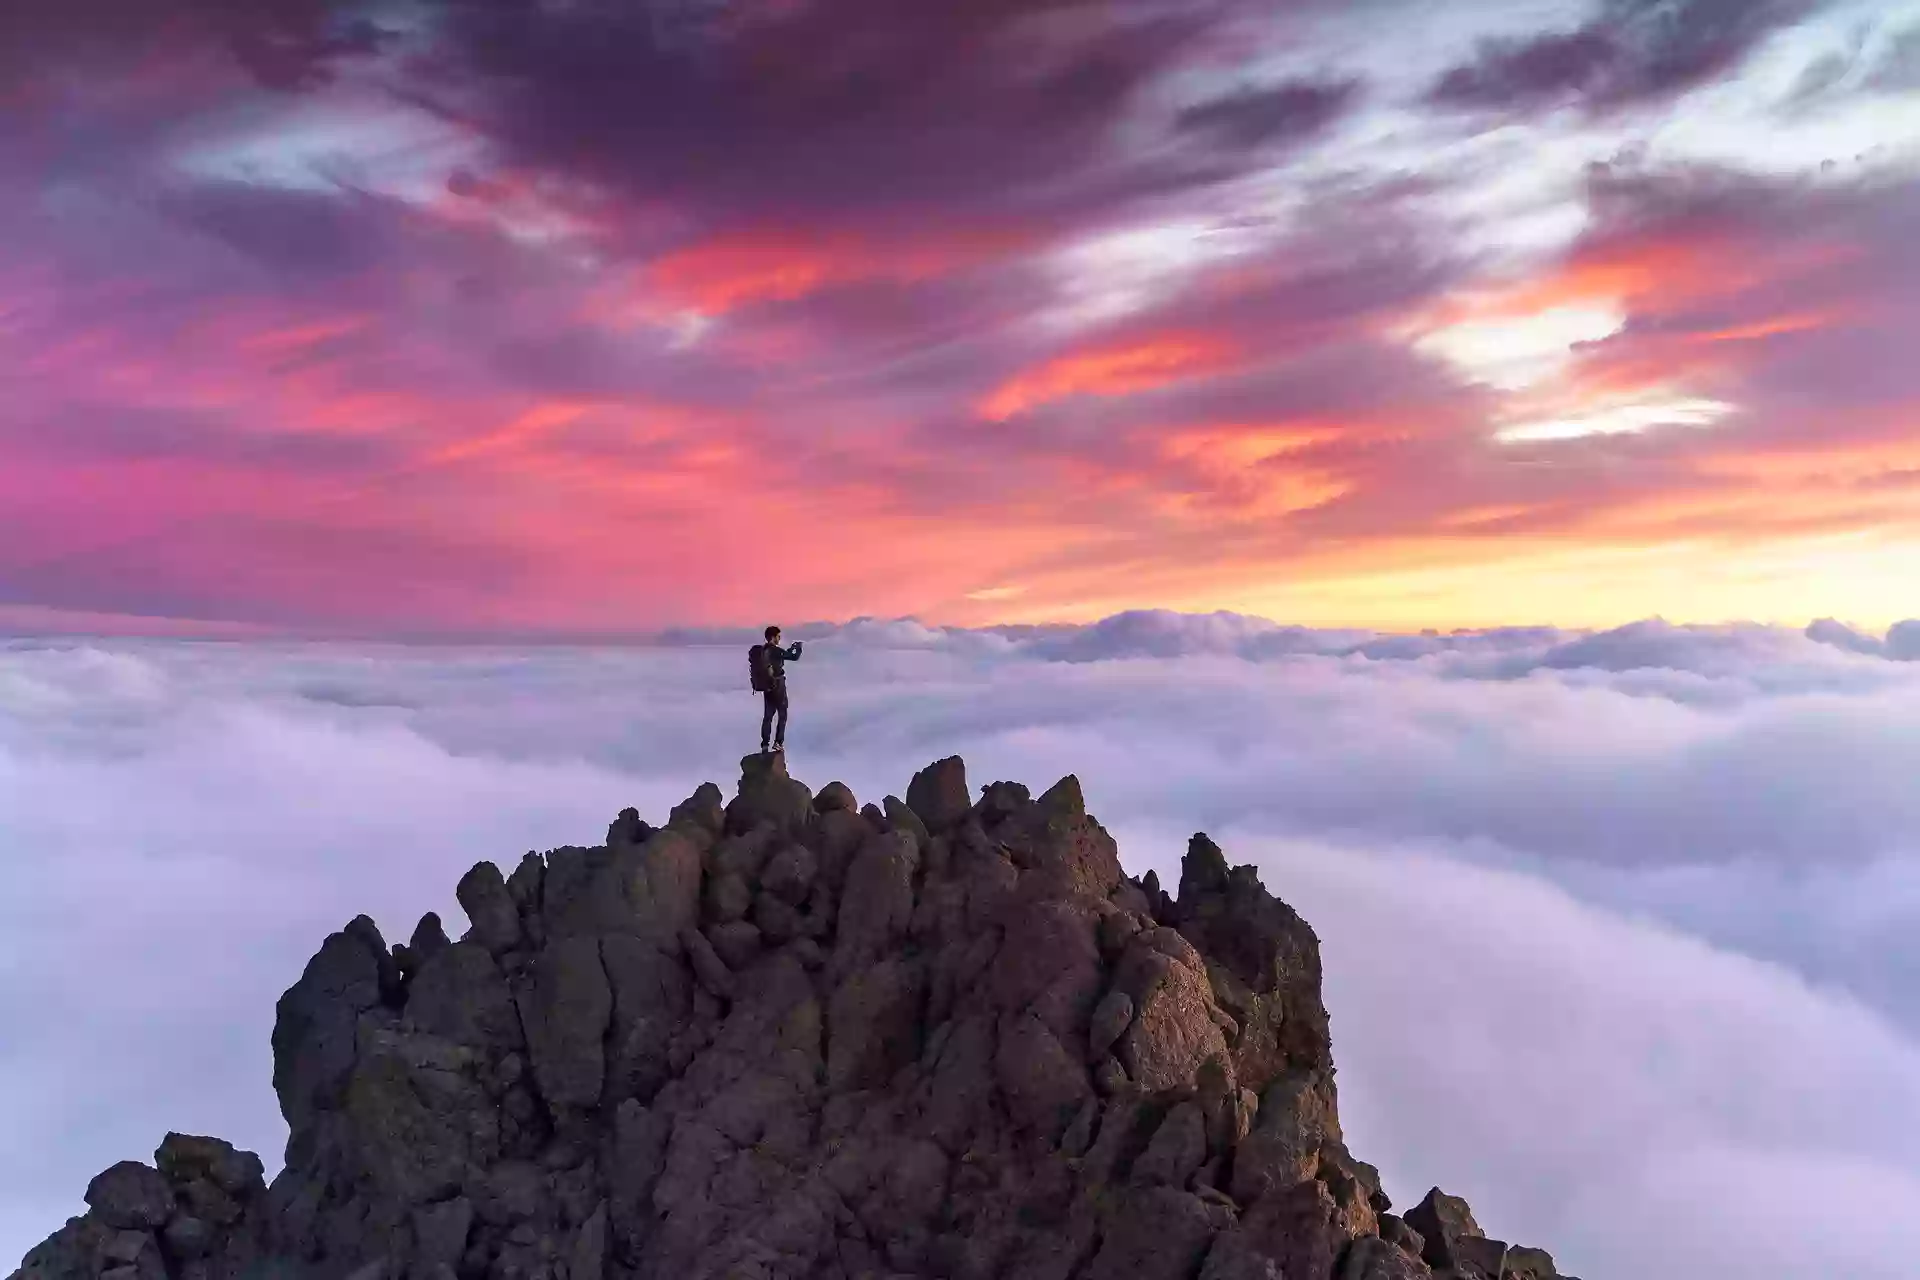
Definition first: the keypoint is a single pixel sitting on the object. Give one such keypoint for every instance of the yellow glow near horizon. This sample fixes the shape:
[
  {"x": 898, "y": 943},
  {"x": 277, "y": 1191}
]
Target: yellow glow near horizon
[{"x": 1867, "y": 579}]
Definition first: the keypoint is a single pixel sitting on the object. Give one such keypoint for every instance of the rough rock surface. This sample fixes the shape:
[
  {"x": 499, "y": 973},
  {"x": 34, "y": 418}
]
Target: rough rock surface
[{"x": 785, "y": 1037}]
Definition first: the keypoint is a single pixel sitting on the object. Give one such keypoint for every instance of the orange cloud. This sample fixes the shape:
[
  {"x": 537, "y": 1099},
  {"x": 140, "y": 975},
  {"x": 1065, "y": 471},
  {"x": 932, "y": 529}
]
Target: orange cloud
[
  {"x": 1255, "y": 472},
  {"x": 717, "y": 275},
  {"x": 1118, "y": 370}
]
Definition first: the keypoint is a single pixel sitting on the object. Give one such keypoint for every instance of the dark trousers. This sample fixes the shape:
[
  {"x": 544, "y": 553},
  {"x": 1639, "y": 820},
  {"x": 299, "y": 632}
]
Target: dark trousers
[{"x": 776, "y": 704}]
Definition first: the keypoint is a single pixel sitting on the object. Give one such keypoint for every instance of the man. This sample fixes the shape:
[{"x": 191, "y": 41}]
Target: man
[{"x": 770, "y": 677}]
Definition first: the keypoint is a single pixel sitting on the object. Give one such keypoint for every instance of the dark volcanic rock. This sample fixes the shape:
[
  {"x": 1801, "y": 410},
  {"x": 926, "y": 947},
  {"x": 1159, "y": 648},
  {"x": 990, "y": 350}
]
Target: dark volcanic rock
[
  {"x": 938, "y": 794},
  {"x": 131, "y": 1195},
  {"x": 780, "y": 1037}
]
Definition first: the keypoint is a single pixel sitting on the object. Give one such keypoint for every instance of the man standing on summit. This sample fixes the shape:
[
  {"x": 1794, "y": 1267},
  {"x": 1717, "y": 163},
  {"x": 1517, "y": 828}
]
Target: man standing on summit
[{"x": 768, "y": 666}]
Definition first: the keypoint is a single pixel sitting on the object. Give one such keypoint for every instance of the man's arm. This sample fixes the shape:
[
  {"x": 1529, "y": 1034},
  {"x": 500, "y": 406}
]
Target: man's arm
[{"x": 792, "y": 652}]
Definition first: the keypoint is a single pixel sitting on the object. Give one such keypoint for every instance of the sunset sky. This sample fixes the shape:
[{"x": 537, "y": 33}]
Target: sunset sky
[{"x": 583, "y": 317}]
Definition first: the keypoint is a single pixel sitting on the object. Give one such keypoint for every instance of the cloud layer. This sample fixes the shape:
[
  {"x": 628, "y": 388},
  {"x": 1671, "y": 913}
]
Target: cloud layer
[
  {"x": 1613, "y": 922},
  {"x": 455, "y": 319}
]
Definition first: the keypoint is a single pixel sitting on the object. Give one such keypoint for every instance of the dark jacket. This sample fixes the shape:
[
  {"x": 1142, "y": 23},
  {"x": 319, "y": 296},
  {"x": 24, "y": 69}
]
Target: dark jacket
[{"x": 777, "y": 659}]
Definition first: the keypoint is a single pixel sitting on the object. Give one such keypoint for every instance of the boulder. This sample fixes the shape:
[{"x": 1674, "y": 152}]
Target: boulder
[
  {"x": 566, "y": 1009},
  {"x": 767, "y": 795},
  {"x": 1178, "y": 1148},
  {"x": 873, "y": 1025},
  {"x": 460, "y": 994},
  {"x": 1373, "y": 1258},
  {"x": 490, "y": 908},
  {"x": 938, "y": 794},
  {"x": 876, "y": 906},
  {"x": 315, "y": 1025},
  {"x": 1111, "y": 1017},
  {"x": 1056, "y": 835},
  {"x": 416, "y": 1116},
  {"x": 789, "y": 874},
  {"x": 1297, "y": 1117},
  {"x": 1443, "y": 1221},
  {"x": 185, "y": 1158},
  {"x": 131, "y": 1196},
  {"x": 901, "y": 819},
  {"x": 836, "y": 797},
  {"x": 1172, "y": 1032},
  {"x": 1158, "y": 1233},
  {"x": 1043, "y": 1083}
]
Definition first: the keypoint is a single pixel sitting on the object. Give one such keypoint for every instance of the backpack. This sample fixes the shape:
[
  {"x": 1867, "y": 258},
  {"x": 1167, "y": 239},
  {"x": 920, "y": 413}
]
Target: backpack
[{"x": 757, "y": 668}]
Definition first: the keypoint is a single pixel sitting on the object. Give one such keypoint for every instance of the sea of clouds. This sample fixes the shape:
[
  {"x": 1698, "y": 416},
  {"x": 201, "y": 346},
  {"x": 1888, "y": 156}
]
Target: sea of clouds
[{"x": 1621, "y": 930}]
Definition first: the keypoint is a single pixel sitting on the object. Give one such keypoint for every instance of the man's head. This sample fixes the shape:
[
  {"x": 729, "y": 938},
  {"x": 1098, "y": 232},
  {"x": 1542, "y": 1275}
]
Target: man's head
[{"x": 773, "y": 635}]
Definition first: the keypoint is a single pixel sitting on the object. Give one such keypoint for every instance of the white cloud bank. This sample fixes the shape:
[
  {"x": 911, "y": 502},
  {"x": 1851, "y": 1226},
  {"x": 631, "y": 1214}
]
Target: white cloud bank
[{"x": 1621, "y": 931}]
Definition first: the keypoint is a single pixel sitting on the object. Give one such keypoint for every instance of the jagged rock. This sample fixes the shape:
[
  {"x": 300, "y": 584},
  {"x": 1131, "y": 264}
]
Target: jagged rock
[
  {"x": 768, "y": 795},
  {"x": 1263, "y": 962},
  {"x": 737, "y": 943},
  {"x": 1109, "y": 1077},
  {"x": 440, "y": 1233},
  {"x": 702, "y": 814},
  {"x": 1297, "y": 1117},
  {"x": 1235, "y": 1256},
  {"x": 1478, "y": 1258},
  {"x": 836, "y": 796},
  {"x": 1049, "y": 965},
  {"x": 1056, "y": 836},
  {"x": 651, "y": 997},
  {"x": 428, "y": 940},
  {"x": 1530, "y": 1264},
  {"x": 789, "y": 874},
  {"x": 1442, "y": 1221},
  {"x": 709, "y": 970},
  {"x": 728, "y": 897},
  {"x": 1171, "y": 1034},
  {"x": 1178, "y": 1147},
  {"x": 901, "y": 818},
  {"x": 1111, "y": 1017},
  {"x": 938, "y": 794},
  {"x": 1395, "y": 1231},
  {"x": 566, "y": 1010},
  {"x": 461, "y": 995},
  {"x": 1155, "y": 1234},
  {"x": 1373, "y": 1258},
  {"x": 1043, "y": 1083},
  {"x": 877, "y": 904},
  {"x": 130, "y": 1195},
  {"x": 315, "y": 1026},
  {"x": 780, "y": 1038},
  {"x": 873, "y": 1025},
  {"x": 184, "y": 1158},
  {"x": 490, "y": 908},
  {"x": 1000, "y": 801},
  {"x": 837, "y": 835},
  {"x": 651, "y": 891}
]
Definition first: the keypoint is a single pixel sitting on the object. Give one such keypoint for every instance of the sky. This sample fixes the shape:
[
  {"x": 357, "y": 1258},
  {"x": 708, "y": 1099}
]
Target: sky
[
  {"x": 574, "y": 318},
  {"x": 1621, "y": 929}
]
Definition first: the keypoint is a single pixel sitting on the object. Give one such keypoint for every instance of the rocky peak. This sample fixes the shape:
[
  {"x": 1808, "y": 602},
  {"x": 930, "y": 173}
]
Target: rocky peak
[{"x": 785, "y": 1035}]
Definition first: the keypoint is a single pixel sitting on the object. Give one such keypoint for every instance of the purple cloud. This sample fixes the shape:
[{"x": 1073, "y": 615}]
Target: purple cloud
[{"x": 1633, "y": 52}]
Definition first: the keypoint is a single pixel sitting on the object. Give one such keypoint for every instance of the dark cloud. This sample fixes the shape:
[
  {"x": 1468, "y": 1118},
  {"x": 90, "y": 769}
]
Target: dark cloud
[
  {"x": 1284, "y": 113},
  {"x": 857, "y": 107},
  {"x": 1633, "y": 52},
  {"x": 328, "y": 232},
  {"x": 285, "y": 44}
]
